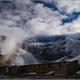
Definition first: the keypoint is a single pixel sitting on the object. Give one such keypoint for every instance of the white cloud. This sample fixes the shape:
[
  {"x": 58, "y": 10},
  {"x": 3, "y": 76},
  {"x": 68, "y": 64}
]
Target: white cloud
[
  {"x": 68, "y": 6},
  {"x": 71, "y": 28},
  {"x": 45, "y": 22}
]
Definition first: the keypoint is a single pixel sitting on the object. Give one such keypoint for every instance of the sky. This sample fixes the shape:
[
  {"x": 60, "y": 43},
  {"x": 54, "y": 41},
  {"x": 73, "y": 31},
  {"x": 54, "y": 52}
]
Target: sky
[
  {"x": 40, "y": 17},
  {"x": 66, "y": 12},
  {"x": 52, "y": 17}
]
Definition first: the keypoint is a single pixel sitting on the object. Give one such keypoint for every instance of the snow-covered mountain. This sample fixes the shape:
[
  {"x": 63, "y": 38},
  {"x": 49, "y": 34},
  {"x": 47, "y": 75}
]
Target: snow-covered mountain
[{"x": 57, "y": 47}]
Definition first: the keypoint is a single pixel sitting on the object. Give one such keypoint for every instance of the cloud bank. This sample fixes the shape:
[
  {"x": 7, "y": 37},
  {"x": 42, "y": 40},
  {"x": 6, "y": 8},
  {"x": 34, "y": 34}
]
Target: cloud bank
[{"x": 38, "y": 19}]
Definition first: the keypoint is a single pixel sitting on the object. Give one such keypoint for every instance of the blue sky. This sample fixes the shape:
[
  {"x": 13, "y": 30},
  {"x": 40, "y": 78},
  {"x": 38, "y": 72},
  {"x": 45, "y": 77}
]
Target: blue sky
[{"x": 70, "y": 17}]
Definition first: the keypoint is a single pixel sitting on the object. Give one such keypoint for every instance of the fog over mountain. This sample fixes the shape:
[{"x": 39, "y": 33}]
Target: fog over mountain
[{"x": 56, "y": 21}]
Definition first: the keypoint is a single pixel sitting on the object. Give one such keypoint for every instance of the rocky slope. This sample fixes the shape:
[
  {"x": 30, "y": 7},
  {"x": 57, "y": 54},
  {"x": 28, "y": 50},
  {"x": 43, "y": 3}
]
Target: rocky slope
[{"x": 57, "y": 47}]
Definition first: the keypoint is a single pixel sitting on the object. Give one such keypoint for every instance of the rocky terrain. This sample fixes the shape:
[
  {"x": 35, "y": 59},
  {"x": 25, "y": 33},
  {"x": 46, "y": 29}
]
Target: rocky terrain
[{"x": 48, "y": 49}]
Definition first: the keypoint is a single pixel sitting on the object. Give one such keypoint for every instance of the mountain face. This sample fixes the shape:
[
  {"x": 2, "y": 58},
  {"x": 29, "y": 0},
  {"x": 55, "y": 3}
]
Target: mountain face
[
  {"x": 47, "y": 51},
  {"x": 54, "y": 49}
]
